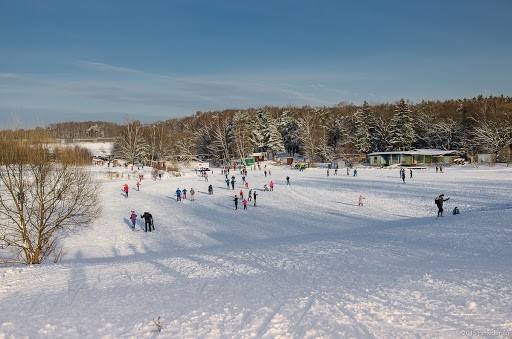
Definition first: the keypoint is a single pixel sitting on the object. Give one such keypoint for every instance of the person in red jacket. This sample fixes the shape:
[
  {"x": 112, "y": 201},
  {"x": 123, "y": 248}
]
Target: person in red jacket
[{"x": 125, "y": 188}]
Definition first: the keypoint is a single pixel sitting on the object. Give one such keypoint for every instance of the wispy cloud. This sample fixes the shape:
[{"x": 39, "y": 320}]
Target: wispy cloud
[{"x": 105, "y": 67}]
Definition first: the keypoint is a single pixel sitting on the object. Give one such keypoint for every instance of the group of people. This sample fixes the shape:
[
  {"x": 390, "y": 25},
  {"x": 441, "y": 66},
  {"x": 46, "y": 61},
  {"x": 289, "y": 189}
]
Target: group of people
[
  {"x": 183, "y": 194},
  {"x": 148, "y": 221},
  {"x": 252, "y": 196}
]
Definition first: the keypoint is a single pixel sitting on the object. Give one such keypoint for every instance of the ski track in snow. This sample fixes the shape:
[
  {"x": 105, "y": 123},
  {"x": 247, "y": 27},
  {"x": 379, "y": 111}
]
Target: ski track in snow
[{"x": 307, "y": 262}]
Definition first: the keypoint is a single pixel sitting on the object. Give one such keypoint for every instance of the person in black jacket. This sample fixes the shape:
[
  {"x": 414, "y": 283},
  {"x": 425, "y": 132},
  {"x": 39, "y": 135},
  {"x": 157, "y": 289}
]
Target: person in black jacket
[
  {"x": 439, "y": 202},
  {"x": 148, "y": 218}
]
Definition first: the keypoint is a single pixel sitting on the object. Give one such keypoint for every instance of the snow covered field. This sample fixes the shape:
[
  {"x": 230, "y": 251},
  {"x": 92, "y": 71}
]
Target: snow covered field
[{"x": 307, "y": 262}]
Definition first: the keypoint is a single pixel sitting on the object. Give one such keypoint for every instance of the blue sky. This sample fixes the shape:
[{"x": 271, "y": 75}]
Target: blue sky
[{"x": 155, "y": 60}]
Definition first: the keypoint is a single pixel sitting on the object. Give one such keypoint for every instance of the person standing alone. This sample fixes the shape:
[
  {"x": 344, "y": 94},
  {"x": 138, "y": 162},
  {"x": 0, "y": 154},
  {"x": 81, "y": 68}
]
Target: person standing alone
[{"x": 439, "y": 202}]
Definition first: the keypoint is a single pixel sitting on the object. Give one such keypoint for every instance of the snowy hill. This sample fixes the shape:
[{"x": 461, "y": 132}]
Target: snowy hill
[{"x": 306, "y": 262}]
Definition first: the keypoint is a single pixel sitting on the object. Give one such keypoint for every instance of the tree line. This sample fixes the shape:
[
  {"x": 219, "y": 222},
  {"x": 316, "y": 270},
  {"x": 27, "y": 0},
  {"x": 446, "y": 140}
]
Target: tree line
[{"x": 477, "y": 125}]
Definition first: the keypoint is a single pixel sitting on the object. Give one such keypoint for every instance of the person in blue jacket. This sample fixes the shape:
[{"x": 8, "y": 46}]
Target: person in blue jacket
[{"x": 178, "y": 194}]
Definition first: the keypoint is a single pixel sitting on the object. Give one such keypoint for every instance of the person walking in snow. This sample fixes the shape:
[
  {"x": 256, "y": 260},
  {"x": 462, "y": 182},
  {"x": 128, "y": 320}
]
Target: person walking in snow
[
  {"x": 271, "y": 186},
  {"x": 254, "y": 197},
  {"x": 233, "y": 183},
  {"x": 287, "y": 180},
  {"x": 249, "y": 196},
  {"x": 210, "y": 189},
  {"x": 361, "y": 198},
  {"x": 184, "y": 193},
  {"x": 138, "y": 185},
  {"x": 244, "y": 202},
  {"x": 125, "y": 188},
  {"x": 227, "y": 182},
  {"x": 403, "y": 176},
  {"x": 410, "y": 173},
  {"x": 241, "y": 194},
  {"x": 439, "y": 202},
  {"x": 178, "y": 194},
  {"x": 148, "y": 221},
  {"x": 192, "y": 192},
  {"x": 133, "y": 218},
  {"x": 235, "y": 199}
]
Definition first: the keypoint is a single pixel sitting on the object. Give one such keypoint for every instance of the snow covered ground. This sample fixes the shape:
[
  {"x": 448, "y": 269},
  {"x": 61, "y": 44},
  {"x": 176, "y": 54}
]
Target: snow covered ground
[{"x": 307, "y": 262}]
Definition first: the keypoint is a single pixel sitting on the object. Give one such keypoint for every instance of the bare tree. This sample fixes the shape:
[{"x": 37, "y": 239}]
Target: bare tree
[
  {"x": 493, "y": 136},
  {"x": 41, "y": 199},
  {"x": 130, "y": 144}
]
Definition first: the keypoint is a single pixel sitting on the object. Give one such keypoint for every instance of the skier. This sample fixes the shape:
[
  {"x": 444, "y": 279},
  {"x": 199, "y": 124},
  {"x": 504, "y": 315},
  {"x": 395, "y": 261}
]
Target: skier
[
  {"x": 439, "y": 202},
  {"x": 355, "y": 172},
  {"x": 254, "y": 197},
  {"x": 148, "y": 221},
  {"x": 403, "y": 176},
  {"x": 125, "y": 188},
  {"x": 244, "y": 202},
  {"x": 236, "y": 201},
  {"x": 249, "y": 196},
  {"x": 133, "y": 218},
  {"x": 232, "y": 183},
  {"x": 361, "y": 198},
  {"x": 178, "y": 194},
  {"x": 210, "y": 189},
  {"x": 184, "y": 193},
  {"x": 271, "y": 186},
  {"x": 227, "y": 182},
  {"x": 287, "y": 180},
  {"x": 192, "y": 192}
]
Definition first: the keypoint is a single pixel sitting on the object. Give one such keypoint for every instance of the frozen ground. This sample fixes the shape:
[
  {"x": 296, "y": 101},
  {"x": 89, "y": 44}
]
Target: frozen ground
[{"x": 307, "y": 262}]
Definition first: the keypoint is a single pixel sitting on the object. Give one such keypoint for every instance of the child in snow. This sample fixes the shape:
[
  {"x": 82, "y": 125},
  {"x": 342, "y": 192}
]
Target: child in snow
[
  {"x": 361, "y": 198},
  {"x": 125, "y": 188},
  {"x": 245, "y": 203},
  {"x": 250, "y": 194},
  {"x": 192, "y": 192},
  {"x": 178, "y": 194},
  {"x": 138, "y": 185},
  {"x": 184, "y": 193},
  {"x": 133, "y": 218},
  {"x": 271, "y": 186}
]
